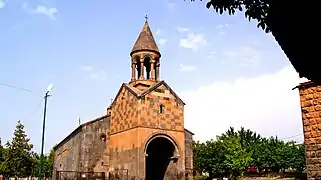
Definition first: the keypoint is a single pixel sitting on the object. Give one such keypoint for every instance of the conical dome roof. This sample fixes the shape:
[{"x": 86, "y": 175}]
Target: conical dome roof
[{"x": 145, "y": 41}]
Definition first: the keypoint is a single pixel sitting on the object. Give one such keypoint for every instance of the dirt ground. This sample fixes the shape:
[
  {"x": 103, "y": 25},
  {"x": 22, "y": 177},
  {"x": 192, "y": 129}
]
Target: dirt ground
[{"x": 266, "y": 178}]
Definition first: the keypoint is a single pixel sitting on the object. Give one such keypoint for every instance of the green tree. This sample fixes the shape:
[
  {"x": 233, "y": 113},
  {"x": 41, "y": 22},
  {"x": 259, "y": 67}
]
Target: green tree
[
  {"x": 254, "y": 9},
  {"x": 17, "y": 158},
  {"x": 234, "y": 151},
  {"x": 248, "y": 138},
  {"x": 260, "y": 155},
  {"x": 209, "y": 158},
  {"x": 48, "y": 165},
  {"x": 35, "y": 164},
  {"x": 225, "y": 157},
  {"x": 278, "y": 153},
  {"x": 1, "y": 152},
  {"x": 299, "y": 161},
  {"x": 236, "y": 158}
]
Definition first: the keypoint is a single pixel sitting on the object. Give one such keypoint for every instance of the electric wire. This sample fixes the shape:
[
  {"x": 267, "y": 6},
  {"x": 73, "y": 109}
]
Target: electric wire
[
  {"x": 292, "y": 136},
  {"x": 36, "y": 109},
  {"x": 15, "y": 87}
]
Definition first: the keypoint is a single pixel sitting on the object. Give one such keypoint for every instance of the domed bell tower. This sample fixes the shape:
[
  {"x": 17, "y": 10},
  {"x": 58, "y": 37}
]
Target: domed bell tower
[{"x": 145, "y": 60}]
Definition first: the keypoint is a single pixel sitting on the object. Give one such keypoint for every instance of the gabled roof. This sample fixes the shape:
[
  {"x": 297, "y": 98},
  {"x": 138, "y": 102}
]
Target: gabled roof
[
  {"x": 306, "y": 85},
  {"x": 140, "y": 94},
  {"x": 189, "y": 131},
  {"x": 152, "y": 88},
  {"x": 145, "y": 41}
]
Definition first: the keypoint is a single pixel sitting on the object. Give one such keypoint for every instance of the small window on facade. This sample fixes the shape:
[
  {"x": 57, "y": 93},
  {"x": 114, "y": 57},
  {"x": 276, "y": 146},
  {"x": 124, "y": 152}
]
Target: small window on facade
[
  {"x": 60, "y": 165},
  {"x": 103, "y": 137},
  {"x": 161, "y": 108}
]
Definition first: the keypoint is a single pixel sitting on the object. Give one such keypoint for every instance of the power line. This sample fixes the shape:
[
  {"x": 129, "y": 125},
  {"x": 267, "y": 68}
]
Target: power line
[
  {"x": 16, "y": 87},
  {"x": 33, "y": 113},
  {"x": 292, "y": 136}
]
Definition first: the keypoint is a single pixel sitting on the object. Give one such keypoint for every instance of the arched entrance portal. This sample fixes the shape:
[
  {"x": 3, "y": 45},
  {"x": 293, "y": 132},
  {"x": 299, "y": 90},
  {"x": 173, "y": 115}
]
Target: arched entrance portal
[{"x": 159, "y": 152}]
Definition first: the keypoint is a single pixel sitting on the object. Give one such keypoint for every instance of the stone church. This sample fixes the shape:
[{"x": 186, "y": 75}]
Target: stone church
[{"x": 142, "y": 132}]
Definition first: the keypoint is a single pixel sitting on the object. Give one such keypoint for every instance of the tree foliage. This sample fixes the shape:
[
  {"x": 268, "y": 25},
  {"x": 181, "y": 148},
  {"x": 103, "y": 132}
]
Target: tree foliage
[
  {"x": 48, "y": 164},
  {"x": 1, "y": 151},
  {"x": 254, "y": 9},
  {"x": 17, "y": 158},
  {"x": 233, "y": 152}
]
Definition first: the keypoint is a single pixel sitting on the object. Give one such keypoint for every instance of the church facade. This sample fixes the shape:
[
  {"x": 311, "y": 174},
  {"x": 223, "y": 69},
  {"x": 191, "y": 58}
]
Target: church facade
[{"x": 142, "y": 132}]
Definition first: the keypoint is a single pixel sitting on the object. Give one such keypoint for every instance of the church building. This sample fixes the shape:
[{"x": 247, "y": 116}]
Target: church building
[{"x": 142, "y": 134}]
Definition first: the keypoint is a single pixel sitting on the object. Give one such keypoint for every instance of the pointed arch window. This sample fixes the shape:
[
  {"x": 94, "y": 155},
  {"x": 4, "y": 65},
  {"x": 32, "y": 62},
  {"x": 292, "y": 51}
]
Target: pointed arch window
[{"x": 161, "y": 109}]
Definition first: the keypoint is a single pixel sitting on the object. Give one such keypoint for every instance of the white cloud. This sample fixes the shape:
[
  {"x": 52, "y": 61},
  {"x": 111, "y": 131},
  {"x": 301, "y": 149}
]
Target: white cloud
[
  {"x": 245, "y": 55},
  {"x": 93, "y": 74},
  {"x": 162, "y": 41},
  {"x": 193, "y": 41},
  {"x": 87, "y": 68},
  {"x": 265, "y": 104},
  {"x": 2, "y": 4},
  {"x": 184, "y": 68},
  {"x": 158, "y": 31},
  {"x": 181, "y": 29},
  {"x": 212, "y": 55},
  {"x": 171, "y": 6},
  {"x": 222, "y": 26},
  {"x": 50, "y": 12},
  {"x": 25, "y": 5},
  {"x": 98, "y": 75}
]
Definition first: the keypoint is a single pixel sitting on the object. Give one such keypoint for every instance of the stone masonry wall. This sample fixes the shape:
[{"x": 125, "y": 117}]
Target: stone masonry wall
[
  {"x": 123, "y": 112},
  {"x": 310, "y": 97},
  {"x": 188, "y": 154},
  {"x": 172, "y": 115},
  {"x": 123, "y": 142},
  {"x": 123, "y": 150},
  {"x": 129, "y": 151},
  {"x": 93, "y": 146},
  {"x": 133, "y": 121},
  {"x": 83, "y": 149},
  {"x": 67, "y": 154}
]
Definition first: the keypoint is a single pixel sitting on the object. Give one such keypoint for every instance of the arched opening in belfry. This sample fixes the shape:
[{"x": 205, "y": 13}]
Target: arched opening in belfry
[
  {"x": 160, "y": 151},
  {"x": 138, "y": 69},
  {"x": 147, "y": 63}
]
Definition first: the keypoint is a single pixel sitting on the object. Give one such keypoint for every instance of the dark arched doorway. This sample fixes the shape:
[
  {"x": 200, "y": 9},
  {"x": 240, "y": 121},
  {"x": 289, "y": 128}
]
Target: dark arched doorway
[{"x": 159, "y": 152}]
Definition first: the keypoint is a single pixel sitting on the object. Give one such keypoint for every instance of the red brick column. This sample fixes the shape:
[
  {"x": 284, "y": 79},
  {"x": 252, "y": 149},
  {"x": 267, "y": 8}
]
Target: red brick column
[{"x": 310, "y": 98}]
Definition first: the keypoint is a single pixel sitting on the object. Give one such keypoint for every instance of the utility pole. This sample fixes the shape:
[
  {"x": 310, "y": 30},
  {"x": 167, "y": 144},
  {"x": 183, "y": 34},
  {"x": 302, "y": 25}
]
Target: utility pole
[{"x": 43, "y": 131}]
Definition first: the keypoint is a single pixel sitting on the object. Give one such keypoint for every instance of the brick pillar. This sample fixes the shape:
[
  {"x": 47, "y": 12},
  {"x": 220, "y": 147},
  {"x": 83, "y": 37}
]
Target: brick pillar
[
  {"x": 133, "y": 71},
  {"x": 157, "y": 72},
  {"x": 152, "y": 70},
  {"x": 310, "y": 98},
  {"x": 141, "y": 69}
]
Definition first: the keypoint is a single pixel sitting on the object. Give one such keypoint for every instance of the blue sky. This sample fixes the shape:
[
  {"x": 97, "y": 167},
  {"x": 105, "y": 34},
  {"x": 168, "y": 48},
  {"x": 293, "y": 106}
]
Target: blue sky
[{"x": 227, "y": 70}]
